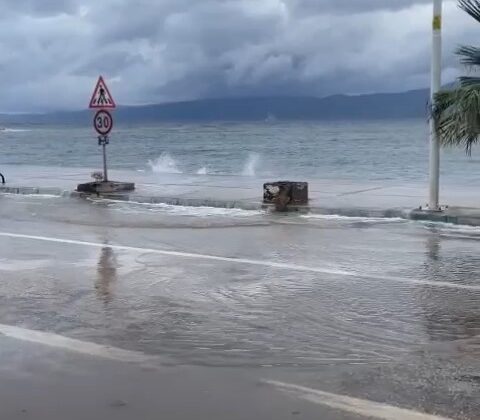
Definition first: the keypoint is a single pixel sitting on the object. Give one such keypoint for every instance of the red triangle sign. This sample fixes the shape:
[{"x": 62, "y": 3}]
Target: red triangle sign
[{"x": 101, "y": 97}]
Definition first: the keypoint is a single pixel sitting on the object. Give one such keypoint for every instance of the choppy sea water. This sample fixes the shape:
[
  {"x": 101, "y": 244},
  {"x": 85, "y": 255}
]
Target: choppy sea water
[{"x": 367, "y": 151}]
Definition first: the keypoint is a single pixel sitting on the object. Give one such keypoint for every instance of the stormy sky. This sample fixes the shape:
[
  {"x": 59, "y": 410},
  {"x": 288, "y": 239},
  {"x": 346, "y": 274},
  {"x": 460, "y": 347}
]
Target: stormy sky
[{"x": 52, "y": 51}]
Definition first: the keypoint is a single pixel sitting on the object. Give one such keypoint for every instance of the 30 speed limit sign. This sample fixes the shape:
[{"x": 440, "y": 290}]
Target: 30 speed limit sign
[{"x": 103, "y": 122}]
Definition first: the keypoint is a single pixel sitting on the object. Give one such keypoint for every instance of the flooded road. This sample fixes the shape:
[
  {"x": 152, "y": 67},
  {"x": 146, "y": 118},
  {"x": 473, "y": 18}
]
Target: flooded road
[{"x": 384, "y": 310}]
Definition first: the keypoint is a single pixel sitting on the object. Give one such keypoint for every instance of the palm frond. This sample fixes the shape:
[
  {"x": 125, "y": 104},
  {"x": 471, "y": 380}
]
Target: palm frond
[
  {"x": 470, "y": 56},
  {"x": 472, "y": 7},
  {"x": 457, "y": 116},
  {"x": 456, "y": 112},
  {"x": 468, "y": 81},
  {"x": 443, "y": 101}
]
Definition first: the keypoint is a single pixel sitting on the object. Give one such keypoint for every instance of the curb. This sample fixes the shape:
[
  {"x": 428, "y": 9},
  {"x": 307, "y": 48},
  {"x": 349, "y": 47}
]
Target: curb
[{"x": 453, "y": 215}]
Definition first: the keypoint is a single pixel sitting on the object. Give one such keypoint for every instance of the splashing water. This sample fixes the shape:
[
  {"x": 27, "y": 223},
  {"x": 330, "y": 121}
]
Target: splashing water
[
  {"x": 251, "y": 165},
  {"x": 164, "y": 164},
  {"x": 133, "y": 207},
  {"x": 14, "y": 130},
  {"x": 202, "y": 171}
]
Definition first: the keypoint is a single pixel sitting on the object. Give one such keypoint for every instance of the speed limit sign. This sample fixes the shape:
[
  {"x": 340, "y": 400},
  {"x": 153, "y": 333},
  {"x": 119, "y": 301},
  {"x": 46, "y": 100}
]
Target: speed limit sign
[{"x": 103, "y": 122}]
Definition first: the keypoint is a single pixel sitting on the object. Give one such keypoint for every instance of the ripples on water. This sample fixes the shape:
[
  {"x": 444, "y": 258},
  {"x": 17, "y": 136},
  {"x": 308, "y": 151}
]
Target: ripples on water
[
  {"x": 222, "y": 313},
  {"x": 368, "y": 151}
]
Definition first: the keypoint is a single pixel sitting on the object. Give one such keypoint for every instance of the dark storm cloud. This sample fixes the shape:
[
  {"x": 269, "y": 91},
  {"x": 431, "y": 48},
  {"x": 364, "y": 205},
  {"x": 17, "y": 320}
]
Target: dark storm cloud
[
  {"x": 155, "y": 50},
  {"x": 352, "y": 6}
]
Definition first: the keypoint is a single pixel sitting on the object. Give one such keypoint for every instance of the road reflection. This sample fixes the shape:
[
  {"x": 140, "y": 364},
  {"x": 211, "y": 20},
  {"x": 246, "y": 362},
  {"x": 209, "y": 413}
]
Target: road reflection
[
  {"x": 450, "y": 314},
  {"x": 106, "y": 274}
]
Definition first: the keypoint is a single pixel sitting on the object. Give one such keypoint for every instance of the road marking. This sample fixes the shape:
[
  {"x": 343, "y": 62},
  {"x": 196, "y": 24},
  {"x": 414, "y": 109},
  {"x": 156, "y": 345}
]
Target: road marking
[
  {"x": 270, "y": 264},
  {"x": 370, "y": 409},
  {"x": 77, "y": 346}
]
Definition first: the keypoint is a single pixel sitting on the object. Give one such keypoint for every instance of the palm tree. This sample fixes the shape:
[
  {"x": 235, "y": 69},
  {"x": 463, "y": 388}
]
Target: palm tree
[{"x": 457, "y": 111}]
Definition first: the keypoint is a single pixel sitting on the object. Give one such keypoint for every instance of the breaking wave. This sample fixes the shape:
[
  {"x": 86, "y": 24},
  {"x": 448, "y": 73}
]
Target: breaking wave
[
  {"x": 133, "y": 207},
  {"x": 164, "y": 164},
  {"x": 337, "y": 217},
  {"x": 15, "y": 130},
  {"x": 251, "y": 165}
]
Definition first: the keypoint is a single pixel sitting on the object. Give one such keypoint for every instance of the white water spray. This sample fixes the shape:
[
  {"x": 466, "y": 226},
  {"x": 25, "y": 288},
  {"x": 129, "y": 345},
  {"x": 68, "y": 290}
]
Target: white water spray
[
  {"x": 250, "y": 168},
  {"x": 164, "y": 164}
]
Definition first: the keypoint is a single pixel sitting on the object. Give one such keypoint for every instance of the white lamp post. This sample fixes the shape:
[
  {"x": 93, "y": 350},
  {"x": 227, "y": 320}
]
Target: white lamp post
[{"x": 436, "y": 82}]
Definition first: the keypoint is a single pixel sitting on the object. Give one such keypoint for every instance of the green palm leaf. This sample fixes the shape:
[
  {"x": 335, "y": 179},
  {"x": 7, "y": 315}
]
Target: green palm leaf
[
  {"x": 472, "y": 7},
  {"x": 470, "y": 56},
  {"x": 457, "y": 116},
  {"x": 466, "y": 81},
  {"x": 456, "y": 112}
]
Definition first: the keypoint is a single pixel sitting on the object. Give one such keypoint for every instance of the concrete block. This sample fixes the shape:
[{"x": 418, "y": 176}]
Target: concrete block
[
  {"x": 105, "y": 187},
  {"x": 285, "y": 193}
]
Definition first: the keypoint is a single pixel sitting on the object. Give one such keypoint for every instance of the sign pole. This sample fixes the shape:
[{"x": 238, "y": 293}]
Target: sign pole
[
  {"x": 104, "y": 141},
  {"x": 105, "y": 173},
  {"x": 436, "y": 82},
  {"x": 103, "y": 123},
  {"x": 102, "y": 102}
]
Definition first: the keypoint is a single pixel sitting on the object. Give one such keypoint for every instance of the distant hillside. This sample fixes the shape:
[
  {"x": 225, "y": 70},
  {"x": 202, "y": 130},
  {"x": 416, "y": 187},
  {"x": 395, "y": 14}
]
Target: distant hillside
[{"x": 410, "y": 104}]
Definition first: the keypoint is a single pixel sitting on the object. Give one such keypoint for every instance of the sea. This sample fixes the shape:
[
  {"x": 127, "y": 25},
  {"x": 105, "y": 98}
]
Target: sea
[{"x": 351, "y": 150}]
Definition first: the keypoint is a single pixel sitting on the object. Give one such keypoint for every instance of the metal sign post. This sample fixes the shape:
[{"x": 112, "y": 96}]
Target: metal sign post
[
  {"x": 101, "y": 102},
  {"x": 103, "y": 141},
  {"x": 103, "y": 124}
]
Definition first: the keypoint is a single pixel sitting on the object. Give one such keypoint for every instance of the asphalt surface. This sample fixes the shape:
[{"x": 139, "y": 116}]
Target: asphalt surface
[{"x": 232, "y": 310}]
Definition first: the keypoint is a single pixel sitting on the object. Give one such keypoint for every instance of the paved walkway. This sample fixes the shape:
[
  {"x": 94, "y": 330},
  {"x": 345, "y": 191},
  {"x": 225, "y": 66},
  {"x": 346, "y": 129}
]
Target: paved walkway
[{"x": 343, "y": 197}]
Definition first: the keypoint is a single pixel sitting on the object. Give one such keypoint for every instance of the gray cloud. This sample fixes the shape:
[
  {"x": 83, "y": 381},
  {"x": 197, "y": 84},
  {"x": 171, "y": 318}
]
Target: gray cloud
[
  {"x": 161, "y": 50},
  {"x": 351, "y": 6},
  {"x": 38, "y": 8}
]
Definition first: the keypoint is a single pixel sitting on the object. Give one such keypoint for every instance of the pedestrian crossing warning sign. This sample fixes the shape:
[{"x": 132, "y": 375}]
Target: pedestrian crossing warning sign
[{"x": 101, "y": 97}]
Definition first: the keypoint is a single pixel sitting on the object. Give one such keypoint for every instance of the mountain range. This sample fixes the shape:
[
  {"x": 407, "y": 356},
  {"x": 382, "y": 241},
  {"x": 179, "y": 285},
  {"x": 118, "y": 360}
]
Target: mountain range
[{"x": 411, "y": 104}]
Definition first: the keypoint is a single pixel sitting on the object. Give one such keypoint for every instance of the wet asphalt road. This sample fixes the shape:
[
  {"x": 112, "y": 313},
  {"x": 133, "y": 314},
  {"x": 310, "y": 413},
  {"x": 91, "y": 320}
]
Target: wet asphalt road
[{"x": 377, "y": 309}]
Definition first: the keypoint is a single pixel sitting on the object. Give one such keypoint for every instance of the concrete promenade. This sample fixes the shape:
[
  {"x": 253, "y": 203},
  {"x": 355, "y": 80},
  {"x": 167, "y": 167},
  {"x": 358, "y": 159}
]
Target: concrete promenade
[{"x": 342, "y": 197}]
